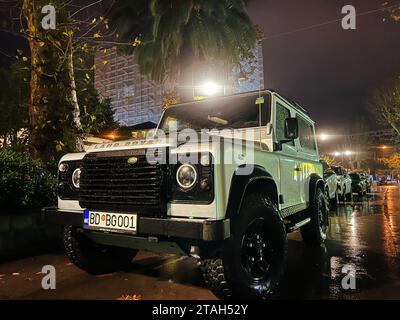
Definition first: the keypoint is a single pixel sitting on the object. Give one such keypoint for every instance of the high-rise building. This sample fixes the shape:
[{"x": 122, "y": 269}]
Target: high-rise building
[{"x": 135, "y": 99}]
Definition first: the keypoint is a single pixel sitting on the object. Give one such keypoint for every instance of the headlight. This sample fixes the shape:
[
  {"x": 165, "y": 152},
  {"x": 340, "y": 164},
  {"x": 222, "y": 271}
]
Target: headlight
[
  {"x": 76, "y": 178},
  {"x": 63, "y": 167},
  {"x": 186, "y": 176}
]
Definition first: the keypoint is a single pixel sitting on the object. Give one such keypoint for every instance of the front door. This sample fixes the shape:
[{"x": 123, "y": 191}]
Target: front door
[{"x": 289, "y": 166}]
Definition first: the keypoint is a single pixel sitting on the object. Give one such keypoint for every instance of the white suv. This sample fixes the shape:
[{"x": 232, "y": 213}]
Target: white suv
[
  {"x": 229, "y": 198},
  {"x": 344, "y": 184}
]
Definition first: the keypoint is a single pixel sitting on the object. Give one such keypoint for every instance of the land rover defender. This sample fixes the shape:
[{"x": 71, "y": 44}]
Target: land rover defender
[{"x": 229, "y": 199}]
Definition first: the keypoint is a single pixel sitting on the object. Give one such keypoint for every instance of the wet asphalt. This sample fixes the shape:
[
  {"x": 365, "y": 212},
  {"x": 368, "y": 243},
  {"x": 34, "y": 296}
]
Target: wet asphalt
[{"x": 364, "y": 238}]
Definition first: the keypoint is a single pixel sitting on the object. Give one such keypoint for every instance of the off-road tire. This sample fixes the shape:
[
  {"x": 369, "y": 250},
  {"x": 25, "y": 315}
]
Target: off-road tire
[
  {"x": 314, "y": 233},
  {"x": 226, "y": 275},
  {"x": 94, "y": 258},
  {"x": 328, "y": 199},
  {"x": 214, "y": 276}
]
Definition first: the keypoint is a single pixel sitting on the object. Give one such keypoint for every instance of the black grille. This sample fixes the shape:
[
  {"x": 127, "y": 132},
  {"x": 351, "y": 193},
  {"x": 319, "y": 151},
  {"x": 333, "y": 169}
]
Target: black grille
[{"x": 110, "y": 182}]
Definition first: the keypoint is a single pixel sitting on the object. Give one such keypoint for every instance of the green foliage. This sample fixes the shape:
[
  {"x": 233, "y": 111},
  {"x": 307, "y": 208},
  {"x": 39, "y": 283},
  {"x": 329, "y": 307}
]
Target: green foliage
[
  {"x": 25, "y": 184},
  {"x": 54, "y": 120},
  {"x": 97, "y": 115},
  {"x": 184, "y": 32},
  {"x": 14, "y": 84}
]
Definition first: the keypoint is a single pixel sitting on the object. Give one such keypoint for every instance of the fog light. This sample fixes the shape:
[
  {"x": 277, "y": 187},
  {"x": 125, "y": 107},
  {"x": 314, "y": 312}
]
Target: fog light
[{"x": 205, "y": 184}]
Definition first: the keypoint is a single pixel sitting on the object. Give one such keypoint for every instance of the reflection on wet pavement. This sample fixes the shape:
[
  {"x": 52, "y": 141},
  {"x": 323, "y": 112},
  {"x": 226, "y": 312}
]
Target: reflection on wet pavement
[{"x": 364, "y": 236}]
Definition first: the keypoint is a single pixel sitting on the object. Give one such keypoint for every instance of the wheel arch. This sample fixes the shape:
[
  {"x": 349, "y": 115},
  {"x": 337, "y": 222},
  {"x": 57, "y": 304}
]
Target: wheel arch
[
  {"x": 316, "y": 182},
  {"x": 260, "y": 180}
]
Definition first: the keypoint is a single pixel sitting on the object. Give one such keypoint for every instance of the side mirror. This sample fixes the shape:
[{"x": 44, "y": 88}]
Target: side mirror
[{"x": 291, "y": 128}]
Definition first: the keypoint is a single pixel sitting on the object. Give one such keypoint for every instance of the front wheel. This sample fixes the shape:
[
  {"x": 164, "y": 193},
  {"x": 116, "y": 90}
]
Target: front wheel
[
  {"x": 252, "y": 261},
  {"x": 94, "y": 258},
  {"x": 314, "y": 233}
]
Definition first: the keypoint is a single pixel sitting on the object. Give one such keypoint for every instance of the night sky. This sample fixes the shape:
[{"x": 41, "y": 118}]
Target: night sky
[{"x": 327, "y": 69}]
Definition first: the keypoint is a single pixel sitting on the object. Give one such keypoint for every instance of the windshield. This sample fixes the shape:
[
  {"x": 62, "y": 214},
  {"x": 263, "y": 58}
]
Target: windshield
[{"x": 221, "y": 113}]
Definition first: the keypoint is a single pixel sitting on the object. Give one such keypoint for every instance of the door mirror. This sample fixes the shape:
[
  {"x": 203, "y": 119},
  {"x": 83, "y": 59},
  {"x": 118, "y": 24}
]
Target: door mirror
[{"x": 291, "y": 128}]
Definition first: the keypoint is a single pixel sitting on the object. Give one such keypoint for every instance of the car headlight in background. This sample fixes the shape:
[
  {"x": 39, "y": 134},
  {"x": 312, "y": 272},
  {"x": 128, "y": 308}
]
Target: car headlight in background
[
  {"x": 186, "y": 176},
  {"x": 76, "y": 178}
]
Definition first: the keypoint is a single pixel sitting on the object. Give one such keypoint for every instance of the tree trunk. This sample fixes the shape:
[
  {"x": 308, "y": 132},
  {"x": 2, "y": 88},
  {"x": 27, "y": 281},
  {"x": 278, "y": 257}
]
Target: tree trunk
[
  {"x": 55, "y": 127},
  {"x": 74, "y": 101}
]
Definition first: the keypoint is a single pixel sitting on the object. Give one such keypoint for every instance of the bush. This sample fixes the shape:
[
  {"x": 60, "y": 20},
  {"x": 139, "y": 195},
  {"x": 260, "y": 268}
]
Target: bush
[{"x": 25, "y": 184}]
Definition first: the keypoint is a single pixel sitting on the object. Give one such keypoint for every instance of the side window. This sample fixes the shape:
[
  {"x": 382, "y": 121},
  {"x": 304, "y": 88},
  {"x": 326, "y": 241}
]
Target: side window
[
  {"x": 282, "y": 114},
  {"x": 306, "y": 135}
]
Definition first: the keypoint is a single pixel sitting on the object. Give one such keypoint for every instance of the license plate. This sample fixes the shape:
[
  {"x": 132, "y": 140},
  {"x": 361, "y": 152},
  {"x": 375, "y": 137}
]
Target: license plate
[{"x": 106, "y": 221}]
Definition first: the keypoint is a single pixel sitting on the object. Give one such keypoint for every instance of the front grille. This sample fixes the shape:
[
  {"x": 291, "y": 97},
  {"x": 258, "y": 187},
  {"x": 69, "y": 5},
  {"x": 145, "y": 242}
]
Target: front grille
[{"x": 109, "y": 182}]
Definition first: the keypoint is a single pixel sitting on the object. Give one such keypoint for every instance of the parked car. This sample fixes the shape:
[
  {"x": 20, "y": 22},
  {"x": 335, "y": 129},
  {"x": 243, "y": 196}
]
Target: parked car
[
  {"x": 358, "y": 185},
  {"x": 331, "y": 184},
  {"x": 365, "y": 176},
  {"x": 344, "y": 184},
  {"x": 113, "y": 201}
]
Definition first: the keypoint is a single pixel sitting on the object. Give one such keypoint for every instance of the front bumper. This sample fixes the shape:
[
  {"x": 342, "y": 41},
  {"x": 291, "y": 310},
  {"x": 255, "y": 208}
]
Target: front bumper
[{"x": 206, "y": 230}]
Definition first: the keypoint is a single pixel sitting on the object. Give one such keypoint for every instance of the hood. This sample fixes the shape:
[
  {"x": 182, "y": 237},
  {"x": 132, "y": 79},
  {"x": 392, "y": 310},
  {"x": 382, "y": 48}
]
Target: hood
[{"x": 205, "y": 142}]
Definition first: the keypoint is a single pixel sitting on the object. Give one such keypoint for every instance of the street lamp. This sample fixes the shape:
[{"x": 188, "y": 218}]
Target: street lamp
[
  {"x": 323, "y": 137},
  {"x": 209, "y": 88}
]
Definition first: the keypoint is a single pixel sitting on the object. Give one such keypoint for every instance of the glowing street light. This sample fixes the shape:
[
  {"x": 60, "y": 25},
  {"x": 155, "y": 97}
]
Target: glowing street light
[
  {"x": 342, "y": 154},
  {"x": 209, "y": 88},
  {"x": 323, "y": 137}
]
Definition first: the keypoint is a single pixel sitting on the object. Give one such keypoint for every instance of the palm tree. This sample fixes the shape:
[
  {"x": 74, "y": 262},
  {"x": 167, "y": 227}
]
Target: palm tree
[{"x": 180, "y": 33}]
